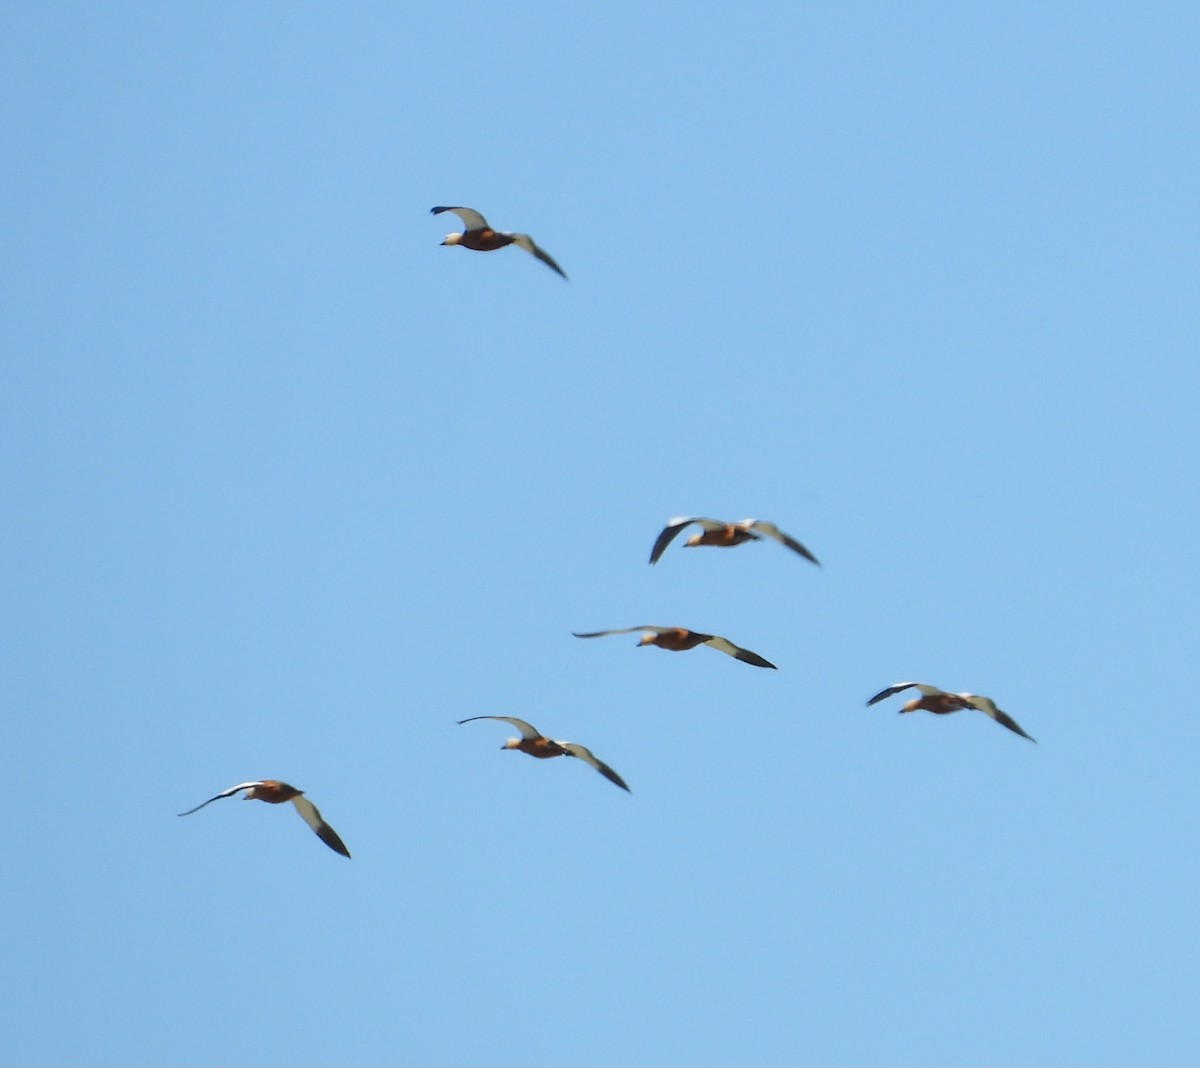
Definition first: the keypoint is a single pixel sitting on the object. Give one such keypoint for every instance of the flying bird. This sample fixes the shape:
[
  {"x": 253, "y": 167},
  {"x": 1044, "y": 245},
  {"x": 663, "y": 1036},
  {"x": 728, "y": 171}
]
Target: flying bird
[
  {"x": 680, "y": 639},
  {"x": 482, "y": 238},
  {"x": 536, "y": 744},
  {"x": 274, "y": 792},
  {"x": 718, "y": 532},
  {"x": 942, "y": 703}
]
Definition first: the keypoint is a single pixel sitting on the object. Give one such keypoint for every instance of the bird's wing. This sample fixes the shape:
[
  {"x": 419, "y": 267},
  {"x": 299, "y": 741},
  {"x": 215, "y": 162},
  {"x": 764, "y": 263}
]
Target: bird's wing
[
  {"x": 667, "y": 535},
  {"x": 623, "y": 630},
  {"x": 528, "y": 730},
  {"x": 736, "y": 651},
  {"x": 526, "y": 242},
  {"x": 310, "y": 815},
  {"x": 772, "y": 531},
  {"x": 988, "y": 707},
  {"x": 674, "y": 526},
  {"x": 585, "y": 754},
  {"x": 927, "y": 691},
  {"x": 224, "y": 793},
  {"x": 471, "y": 219}
]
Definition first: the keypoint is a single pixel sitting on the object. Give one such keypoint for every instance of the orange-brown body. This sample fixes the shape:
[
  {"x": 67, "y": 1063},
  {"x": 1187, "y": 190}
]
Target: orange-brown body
[
  {"x": 730, "y": 535},
  {"x": 538, "y": 747},
  {"x": 678, "y": 640},
  {"x": 484, "y": 240},
  {"x": 940, "y": 704},
  {"x": 272, "y": 791}
]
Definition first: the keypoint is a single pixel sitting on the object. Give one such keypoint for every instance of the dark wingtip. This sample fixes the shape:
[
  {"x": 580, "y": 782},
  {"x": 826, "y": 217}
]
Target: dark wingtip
[
  {"x": 754, "y": 660},
  {"x": 615, "y": 779},
  {"x": 332, "y": 839}
]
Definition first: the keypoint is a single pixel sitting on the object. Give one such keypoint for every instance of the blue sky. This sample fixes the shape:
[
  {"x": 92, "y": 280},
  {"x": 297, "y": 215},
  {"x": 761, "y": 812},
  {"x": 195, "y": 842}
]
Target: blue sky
[{"x": 290, "y": 489}]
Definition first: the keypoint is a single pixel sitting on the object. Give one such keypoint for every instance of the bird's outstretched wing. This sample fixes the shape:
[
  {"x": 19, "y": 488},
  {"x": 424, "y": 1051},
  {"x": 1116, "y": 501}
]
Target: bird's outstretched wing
[
  {"x": 526, "y": 242},
  {"x": 724, "y": 645},
  {"x": 528, "y": 730},
  {"x": 310, "y": 815},
  {"x": 988, "y": 707},
  {"x": 576, "y": 750},
  {"x": 224, "y": 793},
  {"x": 928, "y": 691},
  {"x": 772, "y": 531},
  {"x": 674, "y": 526},
  {"x": 622, "y": 630},
  {"x": 471, "y": 219}
]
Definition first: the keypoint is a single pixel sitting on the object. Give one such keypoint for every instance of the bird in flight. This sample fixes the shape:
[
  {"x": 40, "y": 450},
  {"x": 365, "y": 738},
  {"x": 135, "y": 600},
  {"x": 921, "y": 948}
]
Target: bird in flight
[
  {"x": 718, "y": 532},
  {"x": 274, "y": 792},
  {"x": 479, "y": 236},
  {"x": 680, "y": 639},
  {"x": 536, "y": 744},
  {"x": 942, "y": 703}
]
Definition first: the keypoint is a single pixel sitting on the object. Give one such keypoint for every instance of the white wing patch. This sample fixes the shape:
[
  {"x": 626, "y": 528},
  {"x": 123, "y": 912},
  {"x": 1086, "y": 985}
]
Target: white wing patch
[
  {"x": 528, "y": 730},
  {"x": 724, "y": 645},
  {"x": 224, "y": 793},
  {"x": 308, "y": 812},
  {"x": 471, "y": 219}
]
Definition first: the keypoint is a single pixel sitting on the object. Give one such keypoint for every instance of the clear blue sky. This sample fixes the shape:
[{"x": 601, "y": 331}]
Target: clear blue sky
[{"x": 289, "y": 489}]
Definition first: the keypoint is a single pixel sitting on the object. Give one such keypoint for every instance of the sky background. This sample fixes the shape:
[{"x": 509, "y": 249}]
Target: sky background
[{"x": 288, "y": 489}]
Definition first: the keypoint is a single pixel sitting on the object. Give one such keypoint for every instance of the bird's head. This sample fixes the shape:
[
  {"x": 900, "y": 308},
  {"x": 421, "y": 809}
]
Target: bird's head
[
  {"x": 452, "y": 239},
  {"x": 511, "y": 743}
]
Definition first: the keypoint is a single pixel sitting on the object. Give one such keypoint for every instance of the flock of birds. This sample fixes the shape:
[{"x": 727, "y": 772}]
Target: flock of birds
[{"x": 480, "y": 237}]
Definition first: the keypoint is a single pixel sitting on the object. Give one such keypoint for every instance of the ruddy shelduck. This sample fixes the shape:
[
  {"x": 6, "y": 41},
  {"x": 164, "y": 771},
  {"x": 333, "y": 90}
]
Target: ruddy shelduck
[
  {"x": 720, "y": 533},
  {"x": 942, "y": 703},
  {"x": 680, "y": 639},
  {"x": 536, "y": 744},
  {"x": 274, "y": 792},
  {"x": 480, "y": 237}
]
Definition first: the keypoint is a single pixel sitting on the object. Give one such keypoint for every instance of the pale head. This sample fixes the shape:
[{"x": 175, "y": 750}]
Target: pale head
[
  {"x": 512, "y": 743},
  {"x": 452, "y": 239}
]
